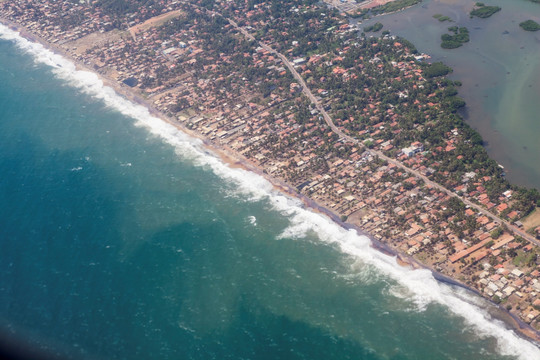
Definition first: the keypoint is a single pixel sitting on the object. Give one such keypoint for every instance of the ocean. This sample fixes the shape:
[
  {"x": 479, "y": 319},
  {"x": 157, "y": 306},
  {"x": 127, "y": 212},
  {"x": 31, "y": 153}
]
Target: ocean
[{"x": 123, "y": 238}]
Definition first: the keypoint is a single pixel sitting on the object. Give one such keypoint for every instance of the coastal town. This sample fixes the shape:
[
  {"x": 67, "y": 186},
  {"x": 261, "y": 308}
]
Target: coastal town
[{"x": 363, "y": 125}]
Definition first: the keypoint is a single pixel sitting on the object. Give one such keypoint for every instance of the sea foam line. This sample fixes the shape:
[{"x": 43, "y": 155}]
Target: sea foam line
[{"x": 421, "y": 285}]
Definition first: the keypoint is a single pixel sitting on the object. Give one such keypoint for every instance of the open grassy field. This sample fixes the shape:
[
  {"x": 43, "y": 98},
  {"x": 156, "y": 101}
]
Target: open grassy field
[
  {"x": 155, "y": 21},
  {"x": 532, "y": 220}
]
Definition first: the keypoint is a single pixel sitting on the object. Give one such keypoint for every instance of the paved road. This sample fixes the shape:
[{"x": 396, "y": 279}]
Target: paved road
[{"x": 341, "y": 134}]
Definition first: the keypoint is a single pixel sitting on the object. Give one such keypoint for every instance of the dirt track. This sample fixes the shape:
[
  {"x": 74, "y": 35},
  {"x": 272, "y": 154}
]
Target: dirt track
[{"x": 155, "y": 21}]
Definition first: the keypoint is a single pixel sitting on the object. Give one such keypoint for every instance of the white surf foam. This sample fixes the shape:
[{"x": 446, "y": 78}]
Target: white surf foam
[
  {"x": 252, "y": 220},
  {"x": 420, "y": 284}
]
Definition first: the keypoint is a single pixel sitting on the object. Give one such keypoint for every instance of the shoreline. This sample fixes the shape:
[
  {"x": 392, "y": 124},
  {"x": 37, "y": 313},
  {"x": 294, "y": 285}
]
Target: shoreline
[{"x": 236, "y": 160}]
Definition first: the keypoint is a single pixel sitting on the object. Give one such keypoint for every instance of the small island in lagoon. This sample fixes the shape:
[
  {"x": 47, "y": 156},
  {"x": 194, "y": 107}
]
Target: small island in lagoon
[
  {"x": 530, "y": 25},
  {"x": 484, "y": 11},
  {"x": 461, "y": 36},
  {"x": 442, "y": 18},
  {"x": 373, "y": 28}
]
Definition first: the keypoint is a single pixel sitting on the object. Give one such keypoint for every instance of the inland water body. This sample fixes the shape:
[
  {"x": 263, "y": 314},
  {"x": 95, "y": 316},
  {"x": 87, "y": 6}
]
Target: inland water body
[
  {"x": 499, "y": 69},
  {"x": 122, "y": 238}
]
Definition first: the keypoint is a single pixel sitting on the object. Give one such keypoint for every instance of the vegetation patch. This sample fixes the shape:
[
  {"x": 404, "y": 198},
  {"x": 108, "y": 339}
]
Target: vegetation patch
[
  {"x": 484, "y": 11},
  {"x": 122, "y": 7},
  {"x": 394, "y": 6},
  {"x": 524, "y": 259},
  {"x": 442, "y": 18},
  {"x": 373, "y": 28},
  {"x": 437, "y": 69},
  {"x": 461, "y": 36},
  {"x": 530, "y": 25}
]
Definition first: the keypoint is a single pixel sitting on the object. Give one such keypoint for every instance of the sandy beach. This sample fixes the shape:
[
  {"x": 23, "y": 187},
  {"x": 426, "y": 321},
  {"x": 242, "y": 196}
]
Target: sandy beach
[{"x": 235, "y": 160}]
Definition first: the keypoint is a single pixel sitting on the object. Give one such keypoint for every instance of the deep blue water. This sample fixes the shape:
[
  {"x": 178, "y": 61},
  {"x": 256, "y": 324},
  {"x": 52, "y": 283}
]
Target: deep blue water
[{"x": 115, "y": 244}]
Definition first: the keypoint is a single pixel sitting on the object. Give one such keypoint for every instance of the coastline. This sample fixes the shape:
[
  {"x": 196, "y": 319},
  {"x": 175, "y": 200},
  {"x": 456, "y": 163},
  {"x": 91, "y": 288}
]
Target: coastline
[{"x": 233, "y": 159}]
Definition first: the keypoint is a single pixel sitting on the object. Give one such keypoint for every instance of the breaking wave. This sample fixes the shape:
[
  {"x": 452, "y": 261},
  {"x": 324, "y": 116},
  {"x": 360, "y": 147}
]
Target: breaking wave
[{"x": 418, "y": 285}]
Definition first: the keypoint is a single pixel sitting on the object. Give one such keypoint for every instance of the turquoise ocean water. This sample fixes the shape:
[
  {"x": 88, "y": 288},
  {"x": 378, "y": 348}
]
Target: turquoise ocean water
[{"x": 122, "y": 238}]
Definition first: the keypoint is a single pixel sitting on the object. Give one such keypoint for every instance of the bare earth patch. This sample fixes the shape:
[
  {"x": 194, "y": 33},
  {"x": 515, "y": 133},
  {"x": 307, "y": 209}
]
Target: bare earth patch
[
  {"x": 90, "y": 41},
  {"x": 351, "y": 6},
  {"x": 357, "y": 216},
  {"x": 532, "y": 220},
  {"x": 153, "y": 22},
  {"x": 346, "y": 6},
  {"x": 373, "y": 3}
]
